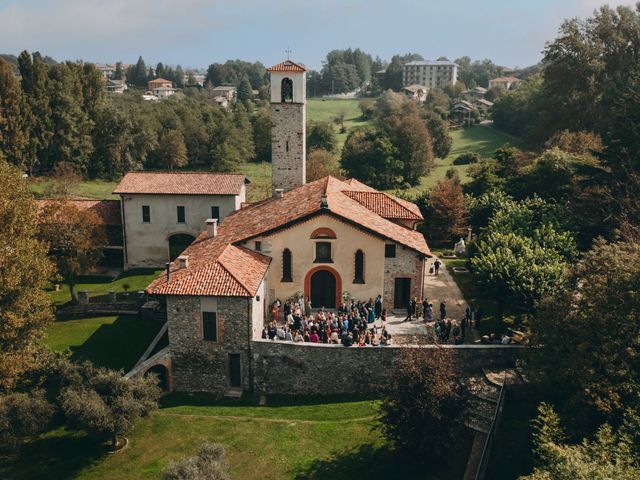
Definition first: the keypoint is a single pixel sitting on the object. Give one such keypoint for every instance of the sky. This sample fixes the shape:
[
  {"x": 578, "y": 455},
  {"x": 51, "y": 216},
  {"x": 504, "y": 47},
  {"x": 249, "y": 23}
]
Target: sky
[{"x": 196, "y": 33}]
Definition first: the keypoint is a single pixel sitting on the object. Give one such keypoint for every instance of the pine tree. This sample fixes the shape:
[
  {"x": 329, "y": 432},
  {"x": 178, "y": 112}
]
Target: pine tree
[
  {"x": 37, "y": 114},
  {"x": 119, "y": 73},
  {"x": 245, "y": 93},
  {"x": 13, "y": 134}
]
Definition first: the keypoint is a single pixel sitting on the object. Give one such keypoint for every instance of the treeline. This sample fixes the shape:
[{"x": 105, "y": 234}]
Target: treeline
[
  {"x": 590, "y": 83},
  {"x": 59, "y": 114}
]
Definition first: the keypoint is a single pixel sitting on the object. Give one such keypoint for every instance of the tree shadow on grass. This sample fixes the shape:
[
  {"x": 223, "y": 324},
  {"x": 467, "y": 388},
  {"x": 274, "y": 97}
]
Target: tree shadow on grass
[
  {"x": 59, "y": 455},
  {"x": 120, "y": 344},
  {"x": 372, "y": 462}
]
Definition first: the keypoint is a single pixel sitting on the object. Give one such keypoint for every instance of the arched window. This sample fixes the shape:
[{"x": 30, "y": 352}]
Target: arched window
[
  {"x": 359, "y": 261},
  {"x": 286, "y": 266},
  {"x": 286, "y": 90},
  {"x": 323, "y": 232}
]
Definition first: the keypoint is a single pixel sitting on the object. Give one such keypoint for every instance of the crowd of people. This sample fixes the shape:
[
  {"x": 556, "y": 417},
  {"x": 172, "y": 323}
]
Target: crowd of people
[
  {"x": 353, "y": 324},
  {"x": 359, "y": 323}
]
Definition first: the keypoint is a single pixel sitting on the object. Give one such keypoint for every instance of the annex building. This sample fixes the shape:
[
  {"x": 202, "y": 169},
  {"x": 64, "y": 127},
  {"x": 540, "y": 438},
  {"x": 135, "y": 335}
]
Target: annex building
[{"x": 320, "y": 239}]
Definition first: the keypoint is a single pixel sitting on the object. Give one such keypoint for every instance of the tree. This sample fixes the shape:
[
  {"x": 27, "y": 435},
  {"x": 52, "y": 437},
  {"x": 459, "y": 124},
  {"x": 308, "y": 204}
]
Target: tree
[
  {"x": 13, "y": 131},
  {"x": 172, "y": 150},
  {"x": 578, "y": 143},
  {"x": 610, "y": 454},
  {"x": 321, "y": 163},
  {"x": 75, "y": 237},
  {"x": 262, "y": 134},
  {"x": 439, "y": 131},
  {"x": 413, "y": 142},
  {"x": 208, "y": 464},
  {"x": 339, "y": 119},
  {"x": 103, "y": 403},
  {"x": 321, "y": 136},
  {"x": 594, "y": 367},
  {"x": 245, "y": 92},
  {"x": 369, "y": 156},
  {"x": 446, "y": 215},
  {"x": 37, "y": 115},
  {"x": 63, "y": 178},
  {"x": 514, "y": 271},
  {"x": 423, "y": 405},
  {"x": 119, "y": 73},
  {"x": 22, "y": 416},
  {"x": 25, "y": 309},
  {"x": 137, "y": 74}
]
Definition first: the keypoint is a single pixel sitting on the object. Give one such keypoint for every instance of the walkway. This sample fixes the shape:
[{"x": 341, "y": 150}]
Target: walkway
[{"x": 437, "y": 288}]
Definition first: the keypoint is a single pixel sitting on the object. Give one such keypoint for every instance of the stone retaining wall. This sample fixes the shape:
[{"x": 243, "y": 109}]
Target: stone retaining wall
[{"x": 287, "y": 368}]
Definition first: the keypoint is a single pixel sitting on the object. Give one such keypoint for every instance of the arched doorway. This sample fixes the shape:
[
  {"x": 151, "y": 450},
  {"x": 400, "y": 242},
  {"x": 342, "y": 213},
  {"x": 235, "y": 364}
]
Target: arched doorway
[
  {"x": 323, "y": 286},
  {"x": 177, "y": 244}
]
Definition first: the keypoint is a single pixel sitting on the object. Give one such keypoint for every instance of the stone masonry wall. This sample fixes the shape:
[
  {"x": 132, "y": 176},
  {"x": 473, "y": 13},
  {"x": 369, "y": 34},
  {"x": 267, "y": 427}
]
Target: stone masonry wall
[
  {"x": 286, "y": 368},
  {"x": 200, "y": 365},
  {"x": 288, "y": 128},
  {"x": 407, "y": 263}
]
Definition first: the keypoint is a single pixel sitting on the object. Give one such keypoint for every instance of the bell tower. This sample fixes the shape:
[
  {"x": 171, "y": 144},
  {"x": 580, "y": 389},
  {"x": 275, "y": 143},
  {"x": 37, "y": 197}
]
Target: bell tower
[{"x": 288, "y": 125}]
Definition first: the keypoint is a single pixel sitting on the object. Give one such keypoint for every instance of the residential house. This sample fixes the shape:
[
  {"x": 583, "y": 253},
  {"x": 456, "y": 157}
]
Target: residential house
[
  {"x": 417, "y": 93},
  {"x": 506, "y": 82},
  {"x": 163, "y": 92},
  {"x": 159, "y": 82},
  {"x": 228, "y": 92},
  {"x": 116, "y": 86}
]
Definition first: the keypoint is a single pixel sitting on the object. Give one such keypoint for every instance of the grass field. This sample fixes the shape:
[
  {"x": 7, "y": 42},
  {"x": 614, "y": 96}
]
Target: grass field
[
  {"x": 137, "y": 279},
  {"x": 114, "y": 341},
  {"x": 482, "y": 139},
  {"x": 329, "y": 438},
  {"x": 321, "y": 110}
]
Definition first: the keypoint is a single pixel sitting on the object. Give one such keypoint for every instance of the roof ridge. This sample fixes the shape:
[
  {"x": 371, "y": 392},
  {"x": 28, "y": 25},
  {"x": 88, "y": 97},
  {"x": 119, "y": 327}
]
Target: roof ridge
[
  {"x": 183, "y": 172},
  {"x": 221, "y": 262}
]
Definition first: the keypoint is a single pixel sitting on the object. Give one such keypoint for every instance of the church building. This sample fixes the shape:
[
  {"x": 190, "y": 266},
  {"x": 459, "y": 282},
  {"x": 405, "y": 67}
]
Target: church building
[{"x": 326, "y": 239}]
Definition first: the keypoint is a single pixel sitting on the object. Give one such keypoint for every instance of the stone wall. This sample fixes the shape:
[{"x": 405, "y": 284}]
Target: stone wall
[
  {"x": 200, "y": 365},
  {"x": 286, "y": 368},
  {"x": 406, "y": 263},
  {"x": 288, "y": 144}
]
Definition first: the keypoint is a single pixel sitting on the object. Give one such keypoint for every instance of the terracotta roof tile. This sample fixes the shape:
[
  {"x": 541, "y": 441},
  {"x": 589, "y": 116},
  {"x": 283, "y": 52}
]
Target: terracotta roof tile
[
  {"x": 383, "y": 204},
  {"x": 287, "y": 66},
  {"x": 237, "y": 272},
  {"x": 108, "y": 211},
  {"x": 207, "y": 255},
  {"x": 182, "y": 183}
]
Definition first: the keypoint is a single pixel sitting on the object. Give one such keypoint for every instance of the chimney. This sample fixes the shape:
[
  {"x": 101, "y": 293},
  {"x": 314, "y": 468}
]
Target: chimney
[
  {"x": 279, "y": 192},
  {"x": 212, "y": 227},
  {"x": 183, "y": 261},
  {"x": 167, "y": 267},
  {"x": 324, "y": 202}
]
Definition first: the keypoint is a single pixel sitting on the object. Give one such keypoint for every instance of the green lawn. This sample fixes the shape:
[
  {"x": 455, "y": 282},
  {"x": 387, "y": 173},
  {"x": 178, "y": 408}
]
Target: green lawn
[
  {"x": 296, "y": 439},
  {"x": 321, "y": 110},
  {"x": 98, "y": 189},
  {"x": 482, "y": 139},
  {"x": 137, "y": 279},
  {"x": 114, "y": 341}
]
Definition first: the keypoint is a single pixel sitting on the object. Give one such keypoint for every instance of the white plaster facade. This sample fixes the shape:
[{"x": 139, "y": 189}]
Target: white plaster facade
[{"x": 147, "y": 243}]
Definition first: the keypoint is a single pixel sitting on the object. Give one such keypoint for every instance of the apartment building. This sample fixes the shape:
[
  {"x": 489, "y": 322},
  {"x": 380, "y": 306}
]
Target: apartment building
[{"x": 431, "y": 74}]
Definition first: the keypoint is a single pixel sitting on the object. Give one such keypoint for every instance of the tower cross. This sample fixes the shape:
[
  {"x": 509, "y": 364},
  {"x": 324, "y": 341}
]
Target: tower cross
[{"x": 288, "y": 52}]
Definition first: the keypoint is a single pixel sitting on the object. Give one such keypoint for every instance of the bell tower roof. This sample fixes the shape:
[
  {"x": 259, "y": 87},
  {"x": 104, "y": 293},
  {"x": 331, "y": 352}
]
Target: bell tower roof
[{"x": 288, "y": 66}]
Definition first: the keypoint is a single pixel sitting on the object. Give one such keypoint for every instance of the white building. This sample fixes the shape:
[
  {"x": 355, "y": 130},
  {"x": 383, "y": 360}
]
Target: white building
[
  {"x": 431, "y": 74},
  {"x": 162, "y": 213},
  {"x": 163, "y": 92}
]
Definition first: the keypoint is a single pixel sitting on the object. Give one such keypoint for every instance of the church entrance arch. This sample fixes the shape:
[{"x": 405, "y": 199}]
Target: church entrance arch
[
  {"x": 323, "y": 286},
  {"x": 177, "y": 243}
]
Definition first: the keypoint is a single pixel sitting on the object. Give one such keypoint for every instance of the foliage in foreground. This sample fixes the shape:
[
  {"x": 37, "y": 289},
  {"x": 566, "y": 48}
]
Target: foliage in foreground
[
  {"x": 208, "y": 464},
  {"x": 25, "y": 271},
  {"x": 590, "y": 336},
  {"x": 104, "y": 404},
  {"x": 423, "y": 405},
  {"x": 22, "y": 416},
  {"x": 610, "y": 454}
]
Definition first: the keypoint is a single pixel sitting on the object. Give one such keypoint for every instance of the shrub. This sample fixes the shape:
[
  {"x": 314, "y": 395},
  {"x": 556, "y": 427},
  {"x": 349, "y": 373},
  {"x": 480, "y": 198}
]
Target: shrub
[
  {"x": 208, "y": 464},
  {"x": 23, "y": 415},
  {"x": 467, "y": 158}
]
